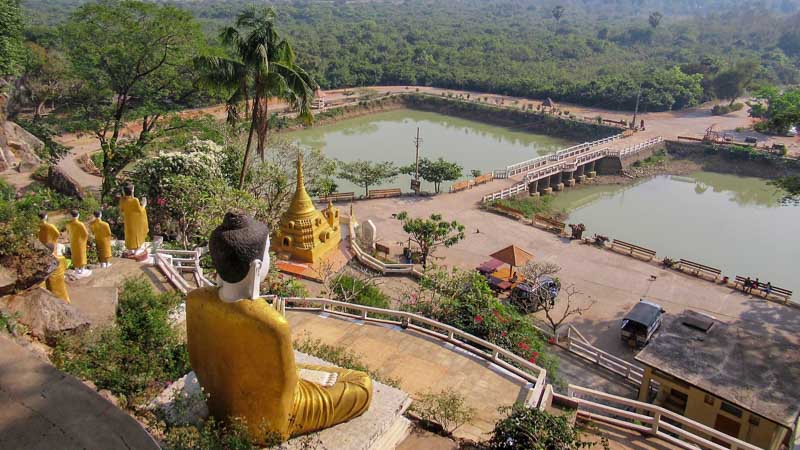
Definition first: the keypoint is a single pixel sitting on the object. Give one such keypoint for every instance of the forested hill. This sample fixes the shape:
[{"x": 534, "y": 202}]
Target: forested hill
[{"x": 595, "y": 52}]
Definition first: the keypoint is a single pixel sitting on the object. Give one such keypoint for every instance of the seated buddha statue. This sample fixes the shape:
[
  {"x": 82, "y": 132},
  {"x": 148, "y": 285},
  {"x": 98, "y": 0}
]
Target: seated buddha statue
[{"x": 240, "y": 347}]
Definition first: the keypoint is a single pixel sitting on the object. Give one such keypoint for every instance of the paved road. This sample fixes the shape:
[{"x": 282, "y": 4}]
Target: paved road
[{"x": 43, "y": 408}]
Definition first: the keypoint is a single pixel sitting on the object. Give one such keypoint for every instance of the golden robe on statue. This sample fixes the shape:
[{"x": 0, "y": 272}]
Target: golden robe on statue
[
  {"x": 102, "y": 238},
  {"x": 55, "y": 282},
  {"x": 48, "y": 233},
  {"x": 78, "y": 237},
  {"x": 242, "y": 355},
  {"x": 135, "y": 217}
]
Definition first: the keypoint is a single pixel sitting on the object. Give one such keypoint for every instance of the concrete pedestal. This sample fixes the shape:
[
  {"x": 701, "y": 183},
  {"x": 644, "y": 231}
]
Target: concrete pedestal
[
  {"x": 558, "y": 187},
  {"x": 547, "y": 191},
  {"x": 570, "y": 182},
  {"x": 581, "y": 178},
  {"x": 591, "y": 174},
  {"x": 535, "y": 194}
]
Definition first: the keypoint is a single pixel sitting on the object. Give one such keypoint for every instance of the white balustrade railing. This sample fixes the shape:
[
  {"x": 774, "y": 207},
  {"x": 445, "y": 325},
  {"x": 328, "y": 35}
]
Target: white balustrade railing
[
  {"x": 506, "y": 193},
  {"x": 638, "y": 147},
  {"x": 569, "y": 152},
  {"x": 651, "y": 419}
]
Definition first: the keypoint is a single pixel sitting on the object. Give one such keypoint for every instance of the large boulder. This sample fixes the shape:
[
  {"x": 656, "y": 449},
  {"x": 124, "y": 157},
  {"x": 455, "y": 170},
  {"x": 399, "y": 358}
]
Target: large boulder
[
  {"x": 46, "y": 315},
  {"x": 19, "y": 273},
  {"x": 21, "y": 148},
  {"x": 64, "y": 183}
]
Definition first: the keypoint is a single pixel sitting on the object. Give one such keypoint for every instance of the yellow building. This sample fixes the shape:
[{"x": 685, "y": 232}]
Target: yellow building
[
  {"x": 744, "y": 383},
  {"x": 305, "y": 234}
]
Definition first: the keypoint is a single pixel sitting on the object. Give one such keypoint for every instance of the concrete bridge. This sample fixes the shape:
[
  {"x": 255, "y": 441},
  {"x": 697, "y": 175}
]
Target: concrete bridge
[{"x": 567, "y": 167}]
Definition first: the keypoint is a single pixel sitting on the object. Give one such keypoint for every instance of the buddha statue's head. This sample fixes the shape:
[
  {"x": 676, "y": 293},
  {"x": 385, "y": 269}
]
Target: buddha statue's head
[
  {"x": 43, "y": 216},
  {"x": 127, "y": 189},
  {"x": 240, "y": 251},
  {"x": 75, "y": 214}
]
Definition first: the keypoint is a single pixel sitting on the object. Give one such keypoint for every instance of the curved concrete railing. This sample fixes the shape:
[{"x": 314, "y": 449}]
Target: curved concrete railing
[
  {"x": 373, "y": 262},
  {"x": 476, "y": 346}
]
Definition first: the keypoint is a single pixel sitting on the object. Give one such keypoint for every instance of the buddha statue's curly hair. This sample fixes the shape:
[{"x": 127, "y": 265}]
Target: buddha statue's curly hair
[{"x": 238, "y": 241}]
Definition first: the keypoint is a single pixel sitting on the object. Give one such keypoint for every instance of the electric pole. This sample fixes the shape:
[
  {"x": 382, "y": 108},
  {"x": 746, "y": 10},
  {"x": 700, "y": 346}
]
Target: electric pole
[
  {"x": 415, "y": 184},
  {"x": 636, "y": 110}
]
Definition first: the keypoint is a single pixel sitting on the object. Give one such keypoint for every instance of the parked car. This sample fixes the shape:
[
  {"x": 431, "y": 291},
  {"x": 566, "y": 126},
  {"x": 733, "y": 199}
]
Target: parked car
[
  {"x": 529, "y": 296},
  {"x": 792, "y": 132},
  {"x": 640, "y": 323}
]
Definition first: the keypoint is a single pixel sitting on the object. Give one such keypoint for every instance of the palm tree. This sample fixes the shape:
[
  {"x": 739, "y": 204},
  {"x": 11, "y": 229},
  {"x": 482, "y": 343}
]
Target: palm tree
[{"x": 262, "y": 65}]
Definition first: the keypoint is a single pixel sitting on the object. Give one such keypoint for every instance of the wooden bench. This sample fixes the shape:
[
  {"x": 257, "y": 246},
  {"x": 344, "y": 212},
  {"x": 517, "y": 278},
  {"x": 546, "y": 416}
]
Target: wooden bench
[
  {"x": 508, "y": 211},
  {"x": 776, "y": 291},
  {"x": 485, "y": 178},
  {"x": 338, "y": 197},
  {"x": 549, "y": 223},
  {"x": 697, "y": 268},
  {"x": 633, "y": 249},
  {"x": 460, "y": 186},
  {"x": 384, "y": 193}
]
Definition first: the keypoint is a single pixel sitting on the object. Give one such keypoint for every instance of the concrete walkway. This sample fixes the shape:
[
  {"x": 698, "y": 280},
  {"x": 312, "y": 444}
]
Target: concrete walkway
[
  {"x": 420, "y": 363},
  {"x": 43, "y": 408}
]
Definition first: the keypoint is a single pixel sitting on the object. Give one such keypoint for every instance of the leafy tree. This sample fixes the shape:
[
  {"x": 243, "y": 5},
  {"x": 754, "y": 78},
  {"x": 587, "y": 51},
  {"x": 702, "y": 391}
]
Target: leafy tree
[
  {"x": 431, "y": 233},
  {"x": 263, "y": 66},
  {"x": 525, "y": 428},
  {"x": 783, "y": 110},
  {"x": 134, "y": 61},
  {"x": 655, "y": 19},
  {"x": 11, "y": 50},
  {"x": 558, "y": 13},
  {"x": 731, "y": 83},
  {"x": 367, "y": 173},
  {"x": 555, "y": 315},
  {"x": 46, "y": 78},
  {"x": 435, "y": 171}
]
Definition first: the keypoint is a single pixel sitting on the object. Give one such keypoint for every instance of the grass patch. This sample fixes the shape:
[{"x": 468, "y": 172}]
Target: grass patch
[
  {"x": 655, "y": 159},
  {"x": 529, "y": 206},
  {"x": 136, "y": 358},
  {"x": 340, "y": 356},
  {"x": 721, "y": 110}
]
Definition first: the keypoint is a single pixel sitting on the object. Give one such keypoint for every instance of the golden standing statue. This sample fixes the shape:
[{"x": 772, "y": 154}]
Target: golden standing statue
[
  {"x": 78, "y": 238},
  {"x": 134, "y": 215},
  {"x": 56, "y": 283},
  {"x": 240, "y": 347},
  {"x": 102, "y": 238},
  {"x": 48, "y": 233}
]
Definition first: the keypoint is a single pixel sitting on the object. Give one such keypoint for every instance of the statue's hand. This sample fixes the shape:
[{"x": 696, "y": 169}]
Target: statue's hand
[{"x": 144, "y": 202}]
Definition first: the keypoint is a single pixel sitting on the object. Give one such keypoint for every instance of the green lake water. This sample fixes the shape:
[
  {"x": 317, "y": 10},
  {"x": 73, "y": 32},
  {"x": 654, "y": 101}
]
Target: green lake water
[
  {"x": 733, "y": 223},
  {"x": 389, "y": 136}
]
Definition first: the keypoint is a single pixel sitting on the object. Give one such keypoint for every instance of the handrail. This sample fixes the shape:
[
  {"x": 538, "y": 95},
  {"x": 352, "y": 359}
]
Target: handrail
[
  {"x": 581, "y": 347},
  {"x": 498, "y": 355},
  {"x": 568, "y": 152},
  {"x": 655, "y": 418}
]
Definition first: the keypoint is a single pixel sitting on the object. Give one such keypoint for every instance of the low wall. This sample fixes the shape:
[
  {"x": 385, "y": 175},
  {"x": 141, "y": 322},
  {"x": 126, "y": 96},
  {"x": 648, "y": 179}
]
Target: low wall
[
  {"x": 719, "y": 158},
  {"x": 532, "y": 121}
]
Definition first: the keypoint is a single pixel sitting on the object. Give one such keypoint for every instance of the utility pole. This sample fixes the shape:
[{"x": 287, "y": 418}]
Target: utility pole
[
  {"x": 415, "y": 184},
  {"x": 636, "y": 110}
]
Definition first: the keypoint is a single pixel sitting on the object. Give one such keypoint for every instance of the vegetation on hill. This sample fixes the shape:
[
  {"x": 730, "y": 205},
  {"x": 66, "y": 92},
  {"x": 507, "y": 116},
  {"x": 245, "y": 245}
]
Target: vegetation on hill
[{"x": 591, "y": 52}]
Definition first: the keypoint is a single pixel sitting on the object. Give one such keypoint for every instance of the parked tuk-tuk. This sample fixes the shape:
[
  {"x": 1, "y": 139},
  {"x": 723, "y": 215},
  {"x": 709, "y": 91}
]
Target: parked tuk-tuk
[{"x": 640, "y": 323}]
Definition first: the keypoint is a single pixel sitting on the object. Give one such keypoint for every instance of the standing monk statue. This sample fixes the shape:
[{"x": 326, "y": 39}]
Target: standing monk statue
[
  {"x": 134, "y": 215},
  {"x": 56, "y": 283},
  {"x": 78, "y": 238},
  {"x": 48, "y": 233},
  {"x": 102, "y": 238},
  {"x": 240, "y": 347}
]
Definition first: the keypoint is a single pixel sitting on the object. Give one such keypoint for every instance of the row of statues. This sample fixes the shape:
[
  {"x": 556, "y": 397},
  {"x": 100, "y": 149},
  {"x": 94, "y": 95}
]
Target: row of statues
[{"x": 134, "y": 215}]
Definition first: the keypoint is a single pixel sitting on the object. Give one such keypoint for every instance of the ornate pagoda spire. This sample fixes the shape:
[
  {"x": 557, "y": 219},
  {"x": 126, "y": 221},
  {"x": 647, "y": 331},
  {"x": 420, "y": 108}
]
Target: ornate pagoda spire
[{"x": 302, "y": 207}]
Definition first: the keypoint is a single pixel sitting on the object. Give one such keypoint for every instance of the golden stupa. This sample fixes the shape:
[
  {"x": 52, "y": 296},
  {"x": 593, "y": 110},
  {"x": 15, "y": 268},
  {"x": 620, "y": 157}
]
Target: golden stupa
[{"x": 306, "y": 234}]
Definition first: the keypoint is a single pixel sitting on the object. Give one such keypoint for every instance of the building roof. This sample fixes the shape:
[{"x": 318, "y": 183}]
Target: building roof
[
  {"x": 512, "y": 255},
  {"x": 755, "y": 369}
]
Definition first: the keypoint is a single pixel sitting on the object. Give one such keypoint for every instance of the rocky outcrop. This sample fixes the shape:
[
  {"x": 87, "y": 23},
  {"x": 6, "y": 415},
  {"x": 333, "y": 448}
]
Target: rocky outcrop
[
  {"x": 64, "y": 183},
  {"x": 19, "y": 149},
  {"x": 46, "y": 315},
  {"x": 19, "y": 273}
]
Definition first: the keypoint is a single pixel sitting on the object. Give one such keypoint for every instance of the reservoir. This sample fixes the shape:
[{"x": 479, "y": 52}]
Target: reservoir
[
  {"x": 733, "y": 223},
  {"x": 389, "y": 136}
]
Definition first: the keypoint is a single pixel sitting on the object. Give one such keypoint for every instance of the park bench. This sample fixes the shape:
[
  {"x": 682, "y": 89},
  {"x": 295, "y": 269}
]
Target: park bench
[
  {"x": 508, "y": 211},
  {"x": 633, "y": 249},
  {"x": 697, "y": 269},
  {"x": 338, "y": 197},
  {"x": 460, "y": 186},
  {"x": 384, "y": 193},
  {"x": 776, "y": 291},
  {"x": 485, "y": 178},
  {"x": 549, "y": 224}
]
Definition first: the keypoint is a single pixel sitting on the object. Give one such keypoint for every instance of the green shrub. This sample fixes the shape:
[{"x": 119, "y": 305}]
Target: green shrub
[
  {"x": 339, "y": 356},
  {"x": 447, "y": 409},
  {"x": 531, "y": 429},
  {"x": 135, "y": 358},
  {"x": 529, "y": 206},
  {"x": 214, "y": 435},
  {"x": 354, "y": 290},
  {"x": 720, "y": 110}
]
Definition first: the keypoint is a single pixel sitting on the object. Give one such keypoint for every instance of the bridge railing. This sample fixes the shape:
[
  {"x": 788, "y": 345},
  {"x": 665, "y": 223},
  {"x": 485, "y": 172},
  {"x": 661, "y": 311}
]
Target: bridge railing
[
  {"x": 569, "y": 152},
  {"x": 506, "y": 193},
  {"x": 638, "y": 147}
]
